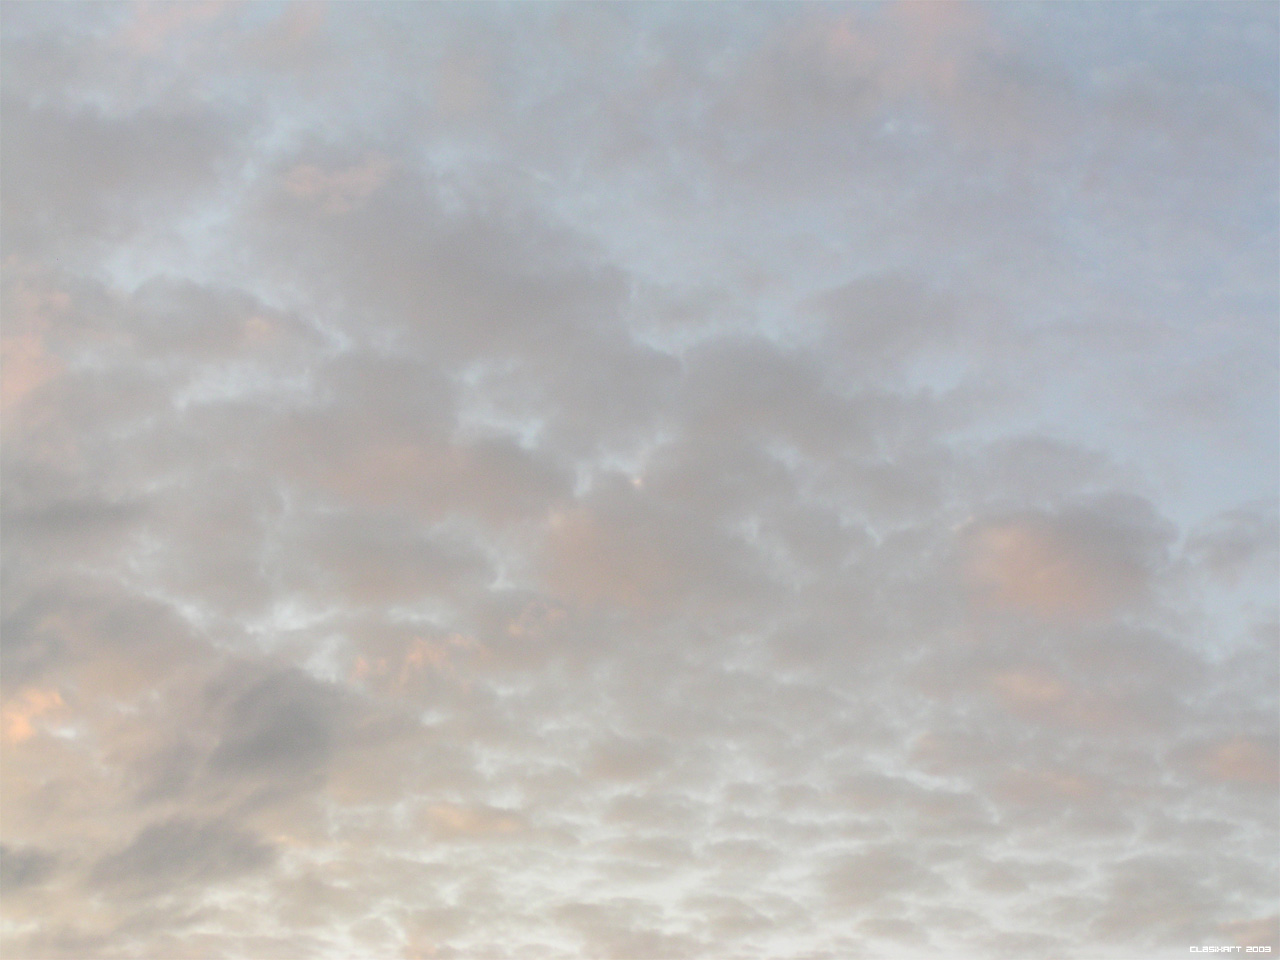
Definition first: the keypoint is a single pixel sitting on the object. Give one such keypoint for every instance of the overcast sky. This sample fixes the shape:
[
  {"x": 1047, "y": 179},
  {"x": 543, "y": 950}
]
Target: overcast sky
[{"x": 639, "y": 481}]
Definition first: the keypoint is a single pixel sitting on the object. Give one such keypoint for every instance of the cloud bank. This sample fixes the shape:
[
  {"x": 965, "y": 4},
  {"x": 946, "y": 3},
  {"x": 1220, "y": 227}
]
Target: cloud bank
[{"x": 639, "y": 481}]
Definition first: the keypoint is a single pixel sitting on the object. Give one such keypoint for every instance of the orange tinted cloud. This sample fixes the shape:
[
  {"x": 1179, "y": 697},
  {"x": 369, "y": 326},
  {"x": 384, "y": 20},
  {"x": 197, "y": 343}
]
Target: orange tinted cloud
[
  {"x": 25, "y": 361},
  {"x": 1033, "y": 566},
  {"x": 16, "y": 719},
  {"x": 421, "y": 657},
  {"x": 1029, "y": 687},
  {"x": 471, "y": 821},
  {"x": 1243, "y": 760},
  {"x": 338, "y": 191},
  {"x": 437, "y": 657},
  {"x": 25, "y": 365}
]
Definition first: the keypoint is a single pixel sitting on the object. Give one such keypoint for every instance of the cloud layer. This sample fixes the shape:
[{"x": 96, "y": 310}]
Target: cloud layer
[{"x": 634, "y": 481}]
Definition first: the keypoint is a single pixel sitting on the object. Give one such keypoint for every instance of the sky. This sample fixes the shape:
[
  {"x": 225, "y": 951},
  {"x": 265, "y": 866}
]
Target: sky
[{"x": 639, "y": 481}]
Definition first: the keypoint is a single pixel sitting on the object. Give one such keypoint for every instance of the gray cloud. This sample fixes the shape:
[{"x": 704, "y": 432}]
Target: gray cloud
[
  {"x": 279, "y": 726},
  {"x": 179, "y": 852},
  {"x": 77, "y": 173},
  {"x": 24, "y": 867}
]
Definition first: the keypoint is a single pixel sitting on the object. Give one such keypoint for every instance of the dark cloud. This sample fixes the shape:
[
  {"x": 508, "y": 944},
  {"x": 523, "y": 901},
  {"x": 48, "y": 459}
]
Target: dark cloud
[
  {"x": 278, "y": 726},
  {"x": 181, "y": 852},
  {"x": 24, "y": 867}
]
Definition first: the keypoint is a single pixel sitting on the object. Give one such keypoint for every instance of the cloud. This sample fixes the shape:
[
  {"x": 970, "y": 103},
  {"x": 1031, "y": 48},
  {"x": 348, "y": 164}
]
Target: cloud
[
  {"x": 32, "y": 305},
  {"x": 28, "y": 366},
  {"x": 31, "y": 704},
  {"x": 338, "y": 191},
  {"x": 280, "y": 726},
  {"x": 152, "y": 25},
  {"x": 636, "y": 481},
  {"x": 452, "y": 821},
  {"x": 1243, "y": 760},
  {"x": 24, "y": 867},
  {"x": 179, "y": 852},
  {"x": 72, "y": 170},
  {"x": 1229, "y": 544},
  {"x": 1029, "y": 687},
  {"x": 1082, "y": 562},
  {"x": 1254, "y": 932},
  {"x": 860, "y": 880}
]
